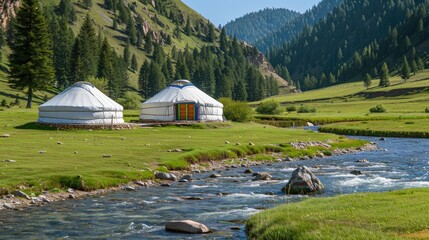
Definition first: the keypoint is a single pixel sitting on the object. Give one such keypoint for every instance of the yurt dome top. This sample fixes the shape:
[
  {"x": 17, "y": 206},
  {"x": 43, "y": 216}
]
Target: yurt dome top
[
  {"x": 183, "y": 91},
  {"x": 81, "y": 96}
]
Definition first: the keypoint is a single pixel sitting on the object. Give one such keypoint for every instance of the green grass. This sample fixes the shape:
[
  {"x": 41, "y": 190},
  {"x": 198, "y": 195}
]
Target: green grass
[
  {"x": 391, "y": 215},
  {"x": 42, "y": 163},
  {"x": 397, "y": 128},
  {"x": 352, "y": 102}
]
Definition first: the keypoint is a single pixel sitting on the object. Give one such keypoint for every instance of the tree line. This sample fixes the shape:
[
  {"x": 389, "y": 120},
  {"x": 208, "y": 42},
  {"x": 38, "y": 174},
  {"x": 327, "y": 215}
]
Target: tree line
[
  {"x": 358, "y": 39},
  {"x": 54, "y": 56}
]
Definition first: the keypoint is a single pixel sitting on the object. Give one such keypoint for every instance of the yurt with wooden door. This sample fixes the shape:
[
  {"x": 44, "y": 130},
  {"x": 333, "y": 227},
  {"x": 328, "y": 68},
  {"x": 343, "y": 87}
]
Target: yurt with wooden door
[
  {"x": 81, "y": 103},
  {"x": 181, "y": 101}
]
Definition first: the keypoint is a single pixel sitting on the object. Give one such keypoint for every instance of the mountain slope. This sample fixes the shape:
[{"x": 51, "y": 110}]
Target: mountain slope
[
  {"x": 294, "y": 27},
  {"x": 253, "y": 26},
  {"x": 176, "y": 41},
  {"x": 355, "y": 39}
]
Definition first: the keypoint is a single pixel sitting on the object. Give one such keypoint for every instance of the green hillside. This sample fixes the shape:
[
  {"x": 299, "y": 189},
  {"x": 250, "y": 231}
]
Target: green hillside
[
  {"x": 351, "y": 101},
  {"x": 356, "y": 39},
  {"x": 168, "y": 34}
]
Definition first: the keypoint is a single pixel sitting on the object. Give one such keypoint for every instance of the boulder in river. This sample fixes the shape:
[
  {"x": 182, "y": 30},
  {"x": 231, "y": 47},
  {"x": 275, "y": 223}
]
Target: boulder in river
[
  {"x": 303, "y": 181},
  {"x": 186, "y": 226},
  {"x": 248, "y": 171},
  {"x": 362, "y": 161},
  {"x": 356, "y": 172},
  {"x": 187, "y": 177},
  {"x": 215, "y": 175},
  {"x": 165, "y": 176},
  {"x": 263, "y": 177}
]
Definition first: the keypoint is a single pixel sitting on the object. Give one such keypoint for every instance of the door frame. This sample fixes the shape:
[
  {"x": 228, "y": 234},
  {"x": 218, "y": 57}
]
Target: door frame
[{"x": 177, "y": 111}]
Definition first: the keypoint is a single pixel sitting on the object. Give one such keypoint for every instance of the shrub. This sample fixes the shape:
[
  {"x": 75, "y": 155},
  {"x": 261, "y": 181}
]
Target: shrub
[
  {"x": 378, "y": 109},
  {"x": 271, "y": 107},
  {"x": 130, "y": 101},
  {"x": 291, "y": 108},
  {"x": 3, "y": 103},
  {"x": 427, "y": 110},
  {"x": 306, "y": 109},
  {"x": 236, "y": 111}
]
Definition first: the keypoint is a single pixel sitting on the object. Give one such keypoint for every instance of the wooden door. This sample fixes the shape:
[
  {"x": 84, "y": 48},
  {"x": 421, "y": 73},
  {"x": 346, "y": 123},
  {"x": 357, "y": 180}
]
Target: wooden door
[{"x": 186, "y": 112}]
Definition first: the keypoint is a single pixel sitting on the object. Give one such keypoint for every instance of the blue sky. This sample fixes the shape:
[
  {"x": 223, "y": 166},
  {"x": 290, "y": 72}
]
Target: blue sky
[{"x": 222, "y": 11}]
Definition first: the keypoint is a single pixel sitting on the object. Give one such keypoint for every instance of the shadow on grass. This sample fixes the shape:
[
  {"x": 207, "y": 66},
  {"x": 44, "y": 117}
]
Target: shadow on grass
[{"x": 35, "y": 126}]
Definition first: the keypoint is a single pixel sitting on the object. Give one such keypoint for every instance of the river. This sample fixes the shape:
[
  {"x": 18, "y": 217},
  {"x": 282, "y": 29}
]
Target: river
[{"x": 141, "y": 214}]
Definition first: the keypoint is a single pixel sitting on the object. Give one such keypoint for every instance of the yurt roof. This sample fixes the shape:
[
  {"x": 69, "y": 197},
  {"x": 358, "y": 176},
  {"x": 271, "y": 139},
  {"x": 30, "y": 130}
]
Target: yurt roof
[
  {"x": 81, "y": 96},
  {"x": 183, "y": 91}
]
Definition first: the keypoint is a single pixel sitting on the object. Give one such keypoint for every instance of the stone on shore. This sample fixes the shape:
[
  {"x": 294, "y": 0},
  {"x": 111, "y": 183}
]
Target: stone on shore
[
  {"x": 186, "y": 226},
  {"x": 303, "y": 181},
  {"x": 165, "y": 176},
  {"x": 21, "y": 194},
  {"x": 263, "y": 177}
]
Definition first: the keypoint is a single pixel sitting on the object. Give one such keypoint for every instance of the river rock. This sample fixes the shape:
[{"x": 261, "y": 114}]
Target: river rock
[
  {"x": 186, "y": 226},
  {"x": 362, "y": 161},
  {"x": 356, "y": 172},
  {"x": 165, "y": 176},
  {"x": 248, "y": 171},
  {"x": 186, "y": 177},
  {"x": 129, "y": 188},
  {"x": 8, "y": 206},
  {"x": 165, "y": 185},
  {"x": 303, "y": 181},
  {"x": 215, "y": 175},
  {"x": 44, "y": 199},
  {"x": 21, "y": 194},
  {"x": 382, "y": 139},
  {"x": 263, "y": 177}
]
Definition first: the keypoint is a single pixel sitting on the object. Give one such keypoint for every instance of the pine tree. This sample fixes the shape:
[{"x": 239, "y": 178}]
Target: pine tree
[
  {"x": 115, "y": 24},
  {"x": 85, "y": 52},
  {"x": 126, "y": 55},
  {"x": 144, "y": 79},
  {"x": 131, "y": 30},
  {"x": 66, "y": 10},
  {"x": 63, "y": 41},
  {"x": 332, "y": 79},
  {"x": 156, "y": 79},
  {"x": 414, "y": 67},
  {"x": 105, "y": 68},
  {"x": 177, "y": 32},
  {"x": 134, "y": 63},
  {"x": 384, "y": 76},
  {"x": 211, "y": 37},
  {"x": 1, "y": 43},
  {"x": 240, "y": 92},
  {"x": 367, "y": 81},
  {"x": 188, "y": 27},
  {"x": 31, "y": 65},
  {"x": 405, "y": 71},
  {"x": 223, "y": 40}
]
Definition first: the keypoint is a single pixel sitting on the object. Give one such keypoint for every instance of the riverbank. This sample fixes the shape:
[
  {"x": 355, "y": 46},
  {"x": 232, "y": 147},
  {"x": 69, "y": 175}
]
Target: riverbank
[
  {"x": 354, "y": 216},
  {"x": 405, "y": 128},
  {"x": 302, "y": 151}
]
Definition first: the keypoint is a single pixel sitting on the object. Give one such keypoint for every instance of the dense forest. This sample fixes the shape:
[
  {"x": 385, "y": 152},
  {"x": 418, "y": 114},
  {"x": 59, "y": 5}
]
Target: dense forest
[
  {"x": 358, "y": 39},
  {"x": 254, "y": 26},
  {"x": 296, "y": 25},
  {"x": 217, "y": 63}
]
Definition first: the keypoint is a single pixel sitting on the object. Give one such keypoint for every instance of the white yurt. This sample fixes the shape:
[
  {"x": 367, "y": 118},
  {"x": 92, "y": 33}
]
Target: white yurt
[
  {"x": 81, "y": 103},
  {"x": 181, "y": 101}
]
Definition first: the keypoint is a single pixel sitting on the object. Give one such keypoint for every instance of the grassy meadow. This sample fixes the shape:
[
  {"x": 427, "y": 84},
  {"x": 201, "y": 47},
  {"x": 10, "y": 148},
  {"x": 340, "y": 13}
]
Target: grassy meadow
[
  {"x": 390, "y": 215},
  {"x": 397, "y": 128},
  {"x": 353, "y": 101},
  {"x": 49, "y": 159}
]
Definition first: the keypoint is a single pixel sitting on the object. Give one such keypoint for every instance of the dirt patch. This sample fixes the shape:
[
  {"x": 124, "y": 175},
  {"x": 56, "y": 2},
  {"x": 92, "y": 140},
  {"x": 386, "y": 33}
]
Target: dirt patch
[{"x": 417, "y": 235}]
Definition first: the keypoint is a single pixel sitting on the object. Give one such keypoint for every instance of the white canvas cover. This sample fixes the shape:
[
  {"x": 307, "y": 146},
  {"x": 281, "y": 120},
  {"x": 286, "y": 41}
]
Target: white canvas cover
[
  {"x": 81, "y": 103},
  {"x": 161, "y": 107}
]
